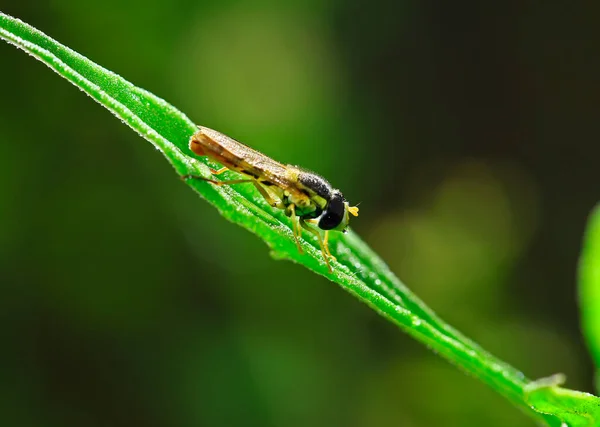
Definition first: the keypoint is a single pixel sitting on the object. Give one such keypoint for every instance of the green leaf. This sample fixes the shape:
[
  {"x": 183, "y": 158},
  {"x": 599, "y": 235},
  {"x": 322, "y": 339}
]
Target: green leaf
[
  {"x": 358, "y": 270},
  {"x": 589, "y": 286},
  {"x": 573, "y": 408}
]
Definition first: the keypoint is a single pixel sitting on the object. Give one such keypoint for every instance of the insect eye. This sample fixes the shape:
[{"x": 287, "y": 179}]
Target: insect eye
[{"x": 334, "y": 213}]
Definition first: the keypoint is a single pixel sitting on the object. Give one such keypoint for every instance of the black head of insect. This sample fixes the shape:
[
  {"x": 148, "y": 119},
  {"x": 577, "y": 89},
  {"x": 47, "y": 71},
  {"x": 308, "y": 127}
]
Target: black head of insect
[
  {"x": 332, "y": 208},
  {"x": 335, "y": 214}
]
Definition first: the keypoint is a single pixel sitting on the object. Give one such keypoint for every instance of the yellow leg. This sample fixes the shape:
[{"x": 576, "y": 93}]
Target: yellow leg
[
  {"x": 218, "y": 172},
  {"x": 270, "y": 200},
  {"x": 296, "y": 227},
  {"x": 326, "y": 245},
  {"x": 219, "y": 183},
  {"x": 321, "y": 244}
]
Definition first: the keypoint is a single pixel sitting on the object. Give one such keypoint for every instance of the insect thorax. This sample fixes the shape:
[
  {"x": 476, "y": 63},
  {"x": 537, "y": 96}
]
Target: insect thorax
[{"x": 315, "y": 185}]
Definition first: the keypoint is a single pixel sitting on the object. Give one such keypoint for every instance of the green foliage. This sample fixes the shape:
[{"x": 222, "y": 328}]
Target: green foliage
[
  {"x": 589, "y": 285},
  {"x": 357, "y": 270},
  {"x": 574, "y": 408}
]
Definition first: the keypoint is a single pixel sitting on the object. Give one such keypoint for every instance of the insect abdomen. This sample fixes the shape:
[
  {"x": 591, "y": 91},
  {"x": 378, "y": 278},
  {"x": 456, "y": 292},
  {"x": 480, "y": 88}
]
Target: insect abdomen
[{"x": 196, "y": 147}]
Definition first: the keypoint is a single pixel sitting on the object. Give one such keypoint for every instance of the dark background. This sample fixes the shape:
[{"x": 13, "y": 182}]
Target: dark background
[{"x": 467, "y": 131}]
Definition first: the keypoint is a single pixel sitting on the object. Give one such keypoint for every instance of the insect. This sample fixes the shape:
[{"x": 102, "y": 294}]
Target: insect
[{"x": 308, "y": 199}]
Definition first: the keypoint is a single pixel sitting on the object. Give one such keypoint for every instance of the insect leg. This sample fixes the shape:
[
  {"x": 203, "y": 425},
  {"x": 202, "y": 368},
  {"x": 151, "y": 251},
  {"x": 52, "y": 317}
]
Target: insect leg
[
  {"x": 270, "y": 200},
  {"x": 321, "y": 244},
  {"x": 219, "y": 183},
  {"x": 326, "y": 244},
  {"x": 296, "y": 227},
  {"x": 219, "y": 171}
]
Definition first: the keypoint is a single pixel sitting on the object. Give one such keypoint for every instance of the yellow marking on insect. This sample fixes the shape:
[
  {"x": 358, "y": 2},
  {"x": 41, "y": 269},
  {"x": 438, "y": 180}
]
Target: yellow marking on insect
[{"x": 303, "y": 195}]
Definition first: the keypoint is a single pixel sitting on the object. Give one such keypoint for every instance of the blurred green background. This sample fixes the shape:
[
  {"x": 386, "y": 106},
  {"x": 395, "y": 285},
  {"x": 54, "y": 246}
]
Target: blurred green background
[{"x": 467, "y": 131}]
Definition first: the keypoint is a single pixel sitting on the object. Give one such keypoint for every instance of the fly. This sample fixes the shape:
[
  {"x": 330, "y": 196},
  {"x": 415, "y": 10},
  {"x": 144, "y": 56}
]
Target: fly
[{"x": 307, "y": 198}]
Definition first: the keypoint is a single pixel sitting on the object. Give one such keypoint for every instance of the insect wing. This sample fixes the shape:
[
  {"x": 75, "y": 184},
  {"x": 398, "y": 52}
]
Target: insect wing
[{"x": 244, "y": 159}]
